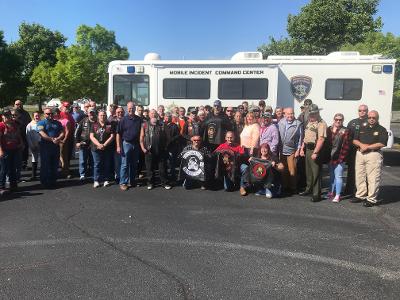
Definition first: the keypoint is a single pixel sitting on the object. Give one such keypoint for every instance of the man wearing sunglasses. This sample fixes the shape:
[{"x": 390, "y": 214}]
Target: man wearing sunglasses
[
  {"x": 354, "y": 127},
  {"x": 369, "y": 141},
  {"x": 52, "y": 133}
]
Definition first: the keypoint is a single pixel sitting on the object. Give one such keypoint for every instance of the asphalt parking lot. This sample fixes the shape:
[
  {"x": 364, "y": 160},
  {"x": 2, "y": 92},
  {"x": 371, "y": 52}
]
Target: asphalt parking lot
[{"x": 79, "y": 242}]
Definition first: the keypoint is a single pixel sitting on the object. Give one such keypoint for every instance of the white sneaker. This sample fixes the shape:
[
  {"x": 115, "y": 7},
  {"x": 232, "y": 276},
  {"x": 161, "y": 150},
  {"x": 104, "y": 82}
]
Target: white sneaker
[
  {"x": 107, "y": 183},
  {"x": 96, "y": 184},
  {"x": 82, "y": 178},
  {"x": 268, "y": 193}
]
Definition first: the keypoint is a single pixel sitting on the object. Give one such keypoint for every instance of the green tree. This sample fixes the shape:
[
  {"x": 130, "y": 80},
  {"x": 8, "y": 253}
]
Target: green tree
[
  {"x": 81, "y": 69},
  {"x": 37, "y": 44},
  {"x": 10, "y": 73},
  {"x": 387, "y": 45},
  {"x": 323, "y": 26}
]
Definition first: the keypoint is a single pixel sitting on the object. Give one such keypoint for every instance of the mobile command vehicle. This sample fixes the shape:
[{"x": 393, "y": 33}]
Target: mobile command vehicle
[{"x": 337, "y": 82}]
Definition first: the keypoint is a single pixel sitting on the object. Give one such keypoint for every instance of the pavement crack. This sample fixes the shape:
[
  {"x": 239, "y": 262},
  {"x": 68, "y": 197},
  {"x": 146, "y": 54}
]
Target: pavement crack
[{"x": 184, "y": 288}]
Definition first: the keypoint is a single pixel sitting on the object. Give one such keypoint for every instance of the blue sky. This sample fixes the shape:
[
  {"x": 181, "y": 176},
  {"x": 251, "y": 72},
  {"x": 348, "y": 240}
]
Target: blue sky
[{"x": 176, "y": 29}]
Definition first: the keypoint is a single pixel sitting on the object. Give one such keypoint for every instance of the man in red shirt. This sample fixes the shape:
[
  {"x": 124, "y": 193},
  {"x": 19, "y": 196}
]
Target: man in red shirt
[
  {"x": 10, "y": 151},
  {"x": 230, "y": 153}
]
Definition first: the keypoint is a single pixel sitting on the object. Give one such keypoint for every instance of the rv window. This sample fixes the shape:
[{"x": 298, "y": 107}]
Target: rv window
[
  {"x": 186, "y": 88},
  {"x": 131, "y": 87},
  {"x": 243, "y": 88},
  {"x": 343, "y": 89}
]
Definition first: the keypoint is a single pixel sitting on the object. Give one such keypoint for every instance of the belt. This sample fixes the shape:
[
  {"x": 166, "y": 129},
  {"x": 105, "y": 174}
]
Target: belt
[
  {"x": 310, "y": 146},
  {"x": 369, "y": 151}
]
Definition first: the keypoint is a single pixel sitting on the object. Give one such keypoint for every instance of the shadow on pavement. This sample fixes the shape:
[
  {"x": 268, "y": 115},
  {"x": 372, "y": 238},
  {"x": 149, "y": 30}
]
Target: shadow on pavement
[
  {"x": 17, "y": 195},
  {"x": 391, "y": 158},
  {"x": 389, "y": 194}
]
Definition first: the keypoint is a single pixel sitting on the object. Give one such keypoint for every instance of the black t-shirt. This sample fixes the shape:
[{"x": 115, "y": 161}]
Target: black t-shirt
[
  {"x": 372, "y": 134},
  {"x": 102, "y": 133},
  {"x": 215, "y": 129}
]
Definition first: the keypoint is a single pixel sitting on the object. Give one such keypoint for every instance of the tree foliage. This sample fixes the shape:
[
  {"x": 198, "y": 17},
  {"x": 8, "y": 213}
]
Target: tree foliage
[
  {"x": 37, "y": 44},
  {"x": 81, "y": 69},
  {"x": 323, "y": 26},
  {"x": 10, "y": 73}
]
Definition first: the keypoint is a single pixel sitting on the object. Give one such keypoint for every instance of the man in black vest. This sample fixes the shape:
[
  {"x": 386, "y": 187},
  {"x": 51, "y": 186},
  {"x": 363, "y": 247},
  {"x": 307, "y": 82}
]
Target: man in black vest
[{"x": 153, "y": 143}]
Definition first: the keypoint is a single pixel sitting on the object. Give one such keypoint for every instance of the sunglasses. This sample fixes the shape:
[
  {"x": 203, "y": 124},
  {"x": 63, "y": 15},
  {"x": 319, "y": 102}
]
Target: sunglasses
[
  {"x": 48, "y": 113},
  {"x": 361, "y": 110},
  {"x": 229, "y": 110},
  {"x": 372, "y": 118},
  {"x": 338, "y": 120}
]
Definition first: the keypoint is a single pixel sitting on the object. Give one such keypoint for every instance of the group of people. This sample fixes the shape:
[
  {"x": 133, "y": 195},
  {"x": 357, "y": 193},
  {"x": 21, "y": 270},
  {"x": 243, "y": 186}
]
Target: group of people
[{"x": 246, "y": 148}]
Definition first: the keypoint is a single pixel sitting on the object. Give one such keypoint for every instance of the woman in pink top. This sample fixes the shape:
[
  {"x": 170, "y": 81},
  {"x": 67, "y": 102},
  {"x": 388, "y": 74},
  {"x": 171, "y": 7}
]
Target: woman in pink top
[
  {"x": 65, "y": 145},
  {"x": 250, "y": 135}
]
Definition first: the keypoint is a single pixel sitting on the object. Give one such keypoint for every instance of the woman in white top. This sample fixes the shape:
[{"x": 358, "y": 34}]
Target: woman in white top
[
  {"x": 33, "y": 139},
  {"x": 250, "y": 136}
]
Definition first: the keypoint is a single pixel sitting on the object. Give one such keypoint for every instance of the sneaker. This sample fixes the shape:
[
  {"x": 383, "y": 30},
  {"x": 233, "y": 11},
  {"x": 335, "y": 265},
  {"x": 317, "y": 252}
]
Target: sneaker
[
  {"x": 82, "y": 178},
  {"x": 69, "y": 176},
  {"x": 260, "y": 193},
  {"x": 149, "y": 187},
  {"x": 329, "y": 196},
  {"x": 243, "y": 191},
  {"x": 336, "y": 199},
  {"x": 268, "y": 193},
  {"x": 96, "y": 184},
  {"x": 107, "y": 183},
  {"x": 203, "y": 187},
  {"x": 123, "y": 187},
  {"x": 167, "y": 187},
  {"x": 141, "y": 176}
]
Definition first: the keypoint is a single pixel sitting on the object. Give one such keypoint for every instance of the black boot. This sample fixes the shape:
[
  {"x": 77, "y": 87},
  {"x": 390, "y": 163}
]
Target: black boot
[{"x": 34, "y": 170}]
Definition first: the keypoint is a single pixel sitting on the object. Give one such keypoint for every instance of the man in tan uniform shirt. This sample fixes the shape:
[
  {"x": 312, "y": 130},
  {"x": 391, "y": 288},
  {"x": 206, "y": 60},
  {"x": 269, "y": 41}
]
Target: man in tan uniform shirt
[{"x": 314, "y": 138}]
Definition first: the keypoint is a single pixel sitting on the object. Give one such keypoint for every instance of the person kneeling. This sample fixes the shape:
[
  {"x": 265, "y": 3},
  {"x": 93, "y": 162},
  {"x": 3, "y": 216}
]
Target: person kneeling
[
  {"x": 195, "y": 160},
  {"x": 262, "y": 175},
  {"x": 229, "y": 159}
]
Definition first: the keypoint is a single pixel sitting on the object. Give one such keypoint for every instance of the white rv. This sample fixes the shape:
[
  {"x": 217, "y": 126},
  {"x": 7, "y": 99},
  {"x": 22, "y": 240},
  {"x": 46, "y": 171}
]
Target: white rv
[{"x": 338, "y": 82}]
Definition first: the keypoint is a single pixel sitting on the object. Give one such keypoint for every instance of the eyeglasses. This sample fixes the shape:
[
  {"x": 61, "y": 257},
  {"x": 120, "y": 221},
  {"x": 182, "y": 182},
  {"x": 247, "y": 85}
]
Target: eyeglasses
[
  {"x": 372, "y": 118},
  {"x": 361, "y": 110},
  {"x": 18, "y": 104},
  {"x": 338, "y": 120}
]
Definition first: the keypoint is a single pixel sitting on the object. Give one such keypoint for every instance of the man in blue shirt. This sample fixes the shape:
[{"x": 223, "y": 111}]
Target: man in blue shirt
[
  {"x": 51, "y": 132},
  {"x": 128, "y": 134}
]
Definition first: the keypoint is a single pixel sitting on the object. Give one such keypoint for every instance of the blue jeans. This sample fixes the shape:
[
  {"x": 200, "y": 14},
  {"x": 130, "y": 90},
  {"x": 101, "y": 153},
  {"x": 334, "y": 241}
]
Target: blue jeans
[
  {"x": 243, "y": 179},
  {"x": 336, "y": 178},
  {"x": 84, "y": 160},
  {"x": 8, "y": 167},
  {"x": 49, "y": 161},
  {"x": 102, "y": 164},
  {"x": 129, "y": 162},
  {"x": 117, "y": 166}
]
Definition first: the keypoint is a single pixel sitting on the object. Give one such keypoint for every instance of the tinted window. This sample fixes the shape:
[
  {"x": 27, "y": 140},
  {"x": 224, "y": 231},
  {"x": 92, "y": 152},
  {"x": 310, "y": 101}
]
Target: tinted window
[
  {"x": 131, "y": 87},
  {"x": 243, "y": 88},
  {"x": 186, "y": 88},
  {"x": 343, "y": 89}
]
